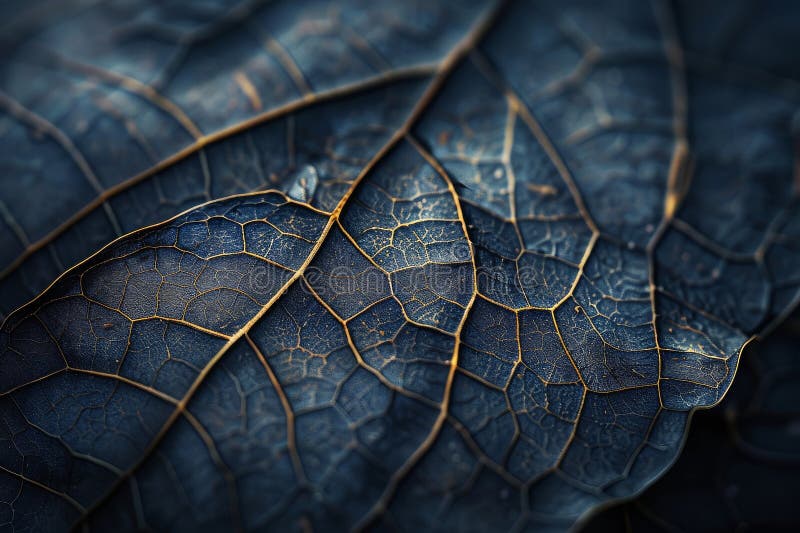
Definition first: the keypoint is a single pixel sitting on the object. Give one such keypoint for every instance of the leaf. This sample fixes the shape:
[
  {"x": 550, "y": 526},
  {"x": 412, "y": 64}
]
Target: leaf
[
  {"x": 489, "y": 282},
  {"x": 739, "y": 469},
  {"x": 128, "y": 104}
]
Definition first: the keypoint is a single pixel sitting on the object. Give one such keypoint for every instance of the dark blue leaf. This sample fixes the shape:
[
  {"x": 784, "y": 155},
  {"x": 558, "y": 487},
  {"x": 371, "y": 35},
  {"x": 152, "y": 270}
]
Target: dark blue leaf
[
  {"x": 474, "y": 267},
  {"x": 740, "y": 469}
]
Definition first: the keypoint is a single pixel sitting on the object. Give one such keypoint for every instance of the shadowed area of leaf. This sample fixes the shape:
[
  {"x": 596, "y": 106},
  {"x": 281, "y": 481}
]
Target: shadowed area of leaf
[{"x": 740, "y": 469}]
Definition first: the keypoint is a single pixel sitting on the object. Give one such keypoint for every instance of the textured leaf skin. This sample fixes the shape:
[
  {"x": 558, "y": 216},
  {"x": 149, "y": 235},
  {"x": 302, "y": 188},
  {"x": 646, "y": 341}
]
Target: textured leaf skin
[
  {"x": 552, "y": 263},
  {"x": 740, "y": 469},
  {"x": 101, "y": 100}
]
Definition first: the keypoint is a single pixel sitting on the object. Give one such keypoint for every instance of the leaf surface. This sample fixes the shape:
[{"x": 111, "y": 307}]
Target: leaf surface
[
  {"x": 739, "y": 469},
  {"x": 503, "y": 252}
]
